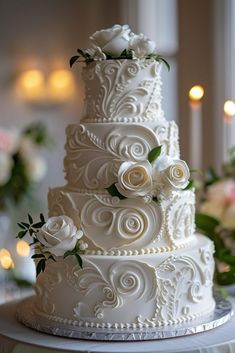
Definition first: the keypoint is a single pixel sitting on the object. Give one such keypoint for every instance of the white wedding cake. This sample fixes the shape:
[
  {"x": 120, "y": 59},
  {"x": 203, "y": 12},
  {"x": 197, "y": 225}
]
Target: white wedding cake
[{"x": 143, "y": 266}]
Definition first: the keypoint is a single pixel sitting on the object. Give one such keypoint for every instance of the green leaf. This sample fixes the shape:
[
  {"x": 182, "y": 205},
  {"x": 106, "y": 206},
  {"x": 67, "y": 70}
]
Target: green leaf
[
  {"x": 25, "y": 224},
  {"x": 37, "y": 256},
  {"x": 154, "y": 154},
  {"x": 42, "y": 218},
  {"x": 211, "y": 177},
  {"x": 206, "y": 223},
  {"x": 79, "y": 260},
  {"x": 69, "y": 253},
  {"x": 21, "y": 225},
  {"x": 52, "y": 258},
  {"x": 38, "y": 225},
  {"x": 73, "y": 60},
  {"x": 81, "y": 52},
  {"x": 40, "y": 267},
  {"x": 113, "y": 191},
  {"x": 30, "y": 219},
  {"x": 165, "y": 62},
  {"x": 21, "y": 234},
  {"x": 229, "y": 259},
  {"x": 190, "y": 185},
  {"x": 225, "y": 278}
]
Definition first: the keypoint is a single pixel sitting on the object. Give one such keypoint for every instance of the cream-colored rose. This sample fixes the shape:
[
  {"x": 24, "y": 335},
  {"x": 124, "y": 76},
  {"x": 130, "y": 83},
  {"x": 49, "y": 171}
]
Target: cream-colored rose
[
  {"x": 6, "y": 164},
  {"x": 112, "y": 40},
  {"x": 135, "y": 179},
  {"x": 141, "y": 46},
  {"x": 170, "y": 172},
  {"x": 59, "y": 234}
]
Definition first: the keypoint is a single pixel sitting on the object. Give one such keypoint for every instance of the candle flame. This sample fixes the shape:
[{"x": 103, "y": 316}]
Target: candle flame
[
  {"x": 229, "y": 108},
  {"x": 196, "y": 93}
]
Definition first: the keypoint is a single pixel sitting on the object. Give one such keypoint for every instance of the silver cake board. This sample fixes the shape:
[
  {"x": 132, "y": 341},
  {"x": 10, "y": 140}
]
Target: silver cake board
[{"x": 222, "y": 313}]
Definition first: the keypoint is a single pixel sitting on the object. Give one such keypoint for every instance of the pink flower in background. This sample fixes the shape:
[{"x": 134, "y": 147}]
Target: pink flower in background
[
  {"x": 230, "y": 197},
  {"x": 9, "y": 140},
  {"x": 220, "y": 202}
]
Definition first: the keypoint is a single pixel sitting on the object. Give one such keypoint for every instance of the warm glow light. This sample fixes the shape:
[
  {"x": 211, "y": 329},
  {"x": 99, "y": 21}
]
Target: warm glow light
[
  {"x": 61, "y": 84},
  {"x": 5, "y": 259},
  {"x": 229, "y": 108},
  {"x": 22, "y": 248},
  {"x": 196, "y": 93},
  {"x": 7, "y": 262},
  {"x": 31, "y": 84},
  {"x": 4, "y": 252}
]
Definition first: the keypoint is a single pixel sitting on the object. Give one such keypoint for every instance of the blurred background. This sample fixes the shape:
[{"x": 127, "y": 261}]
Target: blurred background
[{"x": 40, "y": 95}]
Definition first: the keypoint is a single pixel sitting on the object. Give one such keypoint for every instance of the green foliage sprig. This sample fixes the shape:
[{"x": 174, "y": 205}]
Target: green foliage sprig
[
  {"x": 83, "y": 56},
  {"x": 212, "y": 228},
  {"x": 42, "y": 256}
]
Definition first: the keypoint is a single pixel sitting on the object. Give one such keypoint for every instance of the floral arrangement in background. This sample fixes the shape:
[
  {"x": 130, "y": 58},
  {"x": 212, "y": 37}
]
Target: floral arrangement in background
[
  {"x": 56, "y": 238},
  {"x": 216, "y": 218},
  {"x": 118, "y": 42},
  {"x": 21, "y": 165}
]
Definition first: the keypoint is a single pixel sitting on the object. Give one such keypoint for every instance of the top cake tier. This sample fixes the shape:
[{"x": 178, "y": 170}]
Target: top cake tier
[{"x": 123, "y": 90}]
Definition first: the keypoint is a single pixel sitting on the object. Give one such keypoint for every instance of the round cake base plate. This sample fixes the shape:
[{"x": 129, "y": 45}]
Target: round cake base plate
[{"x": 221, "y": 314}]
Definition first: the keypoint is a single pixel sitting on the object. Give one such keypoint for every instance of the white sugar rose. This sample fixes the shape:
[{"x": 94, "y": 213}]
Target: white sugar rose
[
  {"x": 59, "y": 234},
  {"x": 6, "y": 163},
  {"x": 112, "y": 40},
  {"x": 141, "y": 46},
  {"x": 171, "y": 172},
  {"x": 135, "y": 179}
]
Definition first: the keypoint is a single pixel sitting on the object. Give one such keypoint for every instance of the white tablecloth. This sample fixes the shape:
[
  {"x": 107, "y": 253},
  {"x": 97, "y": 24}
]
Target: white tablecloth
[{"x": 16, "y": 338}]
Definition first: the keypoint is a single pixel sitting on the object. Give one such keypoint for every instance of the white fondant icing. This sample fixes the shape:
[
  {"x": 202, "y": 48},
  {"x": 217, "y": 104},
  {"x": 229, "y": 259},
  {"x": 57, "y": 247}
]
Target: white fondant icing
[
  {"x": 95, "y": 153},
  {"x": 129, "y": 291},
  {"x": 144, "y": 266},
  {"x": 123, "y": 91},
  {"x": 110, "y": 224}
]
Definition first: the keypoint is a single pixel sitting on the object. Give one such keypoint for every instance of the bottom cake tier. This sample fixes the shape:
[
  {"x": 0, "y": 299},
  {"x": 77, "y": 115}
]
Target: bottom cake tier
[{"x": 128, "y": 291}]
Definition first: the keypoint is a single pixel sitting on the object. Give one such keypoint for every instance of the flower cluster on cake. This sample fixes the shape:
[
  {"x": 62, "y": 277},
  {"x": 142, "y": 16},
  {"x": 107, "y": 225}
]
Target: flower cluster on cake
[{"x": 128, "y": 194}]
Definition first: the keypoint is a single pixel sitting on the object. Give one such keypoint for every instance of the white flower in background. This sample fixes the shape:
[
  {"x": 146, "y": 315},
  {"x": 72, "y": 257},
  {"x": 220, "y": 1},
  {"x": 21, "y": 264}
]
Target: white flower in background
[
  {"x": 135, "y": 179},
  {"x": 6, "y": 164},
  {"x": 59, "y": 234},
  {"x": 142, "y": 46},
  {"x": 9, "y": 140},
  {"x": 36, "y": 168},
  {"x": 168, "y": 172},
  {"x": 112, "y": 40}
]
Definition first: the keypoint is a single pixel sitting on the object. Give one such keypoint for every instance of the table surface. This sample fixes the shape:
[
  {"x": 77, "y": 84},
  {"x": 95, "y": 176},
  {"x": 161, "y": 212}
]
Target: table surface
[{"x": 16, "y": 338}]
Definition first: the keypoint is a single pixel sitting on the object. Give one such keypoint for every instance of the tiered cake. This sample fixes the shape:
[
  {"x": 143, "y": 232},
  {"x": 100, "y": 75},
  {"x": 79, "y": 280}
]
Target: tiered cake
[{"x": 144, "y": 265}]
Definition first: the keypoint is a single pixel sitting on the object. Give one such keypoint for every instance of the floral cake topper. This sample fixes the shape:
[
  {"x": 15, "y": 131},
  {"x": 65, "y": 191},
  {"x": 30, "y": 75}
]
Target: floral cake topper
[{"x": 118, "y": 42}]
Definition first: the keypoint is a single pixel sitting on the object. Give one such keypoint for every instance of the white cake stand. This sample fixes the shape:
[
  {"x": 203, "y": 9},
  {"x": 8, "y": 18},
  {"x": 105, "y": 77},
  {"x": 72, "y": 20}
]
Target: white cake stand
[
  {"x": 29, "y": 317},
  {"x": 17, "y": 338}
]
